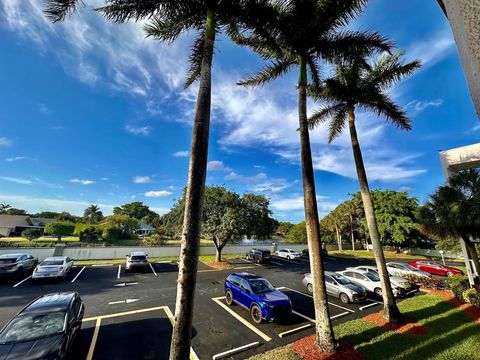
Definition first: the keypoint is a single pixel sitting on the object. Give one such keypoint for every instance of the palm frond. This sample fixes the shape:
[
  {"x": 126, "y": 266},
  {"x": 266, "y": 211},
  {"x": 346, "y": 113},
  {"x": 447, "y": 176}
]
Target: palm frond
[
  {"x": 167, "y": 29},
  {"x": 196, "y": 57},
  {"x": 324, "y": 114},
  {"x": 382, "y": 105},
  {"x": 57, "y": 10},
  {"x": 334, "y": 13},
  {"x": 269, "y": 72},
  {"x": 314, "y": 75},
  {"x": 337, "y": 124}
]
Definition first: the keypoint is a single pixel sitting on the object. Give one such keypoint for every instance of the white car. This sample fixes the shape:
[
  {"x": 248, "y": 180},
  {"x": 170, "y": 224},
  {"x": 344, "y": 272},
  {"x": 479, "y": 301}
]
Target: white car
[
  {"x": 399, "y": 283},
  {"x": 288, "y": 254},
  {"x": 401, "y": 269},
  {"x": 367, "y": 280},
  {"x": 136, "y": 260},
  {"x": 53, "y": 267}
]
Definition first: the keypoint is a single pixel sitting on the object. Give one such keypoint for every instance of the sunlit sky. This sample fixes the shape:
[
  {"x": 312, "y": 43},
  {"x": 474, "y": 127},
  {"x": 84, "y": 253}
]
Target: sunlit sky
[{"x": 93, "y": 113}]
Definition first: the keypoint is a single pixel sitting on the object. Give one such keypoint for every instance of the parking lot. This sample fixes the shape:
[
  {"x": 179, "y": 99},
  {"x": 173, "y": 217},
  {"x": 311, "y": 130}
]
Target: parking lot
[{"x": 130, "y": 315}]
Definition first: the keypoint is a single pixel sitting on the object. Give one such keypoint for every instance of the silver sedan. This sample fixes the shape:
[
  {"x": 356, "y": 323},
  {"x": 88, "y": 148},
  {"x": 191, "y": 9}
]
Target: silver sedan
[{"x": 338, "y": 286}]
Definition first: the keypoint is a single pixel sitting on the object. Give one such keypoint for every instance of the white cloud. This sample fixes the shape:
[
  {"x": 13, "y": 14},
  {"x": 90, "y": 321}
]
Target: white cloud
[
  {"x": 142, "y": 179},
  {"x": 16, "y": 180},
  {"x": 274, "y": 185},
  {"x": 216, "y": 165},
  {"x": 432, "y": 50},
  {"x": 295, "y": 203},
  {"x": 418, "y": 105},
  {"x": 16, "y": 158},
  {"x": 83, "y": 182},
  {"x": 233, "y": 176},
  {"x": 43, "y": 108},
  {"x": 183, "y": 153},
  {"x": 475, "y": 128},
  {"x": 138, "y": 130},
  {"x": 104, "y": 178},
  {"x": 160, "y": 193},
  {"x": 4, "y": 142}
]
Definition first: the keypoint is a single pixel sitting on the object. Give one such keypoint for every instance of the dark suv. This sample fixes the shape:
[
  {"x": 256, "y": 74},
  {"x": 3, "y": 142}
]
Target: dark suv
[
  {"x": 259, "y": 256},
  {"x": 324, "y": 251}
]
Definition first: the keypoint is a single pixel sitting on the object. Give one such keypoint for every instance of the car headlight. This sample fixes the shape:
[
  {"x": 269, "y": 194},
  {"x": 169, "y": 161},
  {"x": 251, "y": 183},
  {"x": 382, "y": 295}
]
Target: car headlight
[{"x": 267, "y": 305}]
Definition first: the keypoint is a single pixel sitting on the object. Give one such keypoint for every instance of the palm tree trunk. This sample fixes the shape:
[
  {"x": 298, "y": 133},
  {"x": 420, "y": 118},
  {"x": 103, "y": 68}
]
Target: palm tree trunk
[
  {"x": 324, "y": 331},
  {"x": 187, "y": 272},
  {"x": 351, "y": 232},
  {"x": 390, "y": 309},
  {"x": 339, "y": 238},
  {"x": 474, "y": 255}
]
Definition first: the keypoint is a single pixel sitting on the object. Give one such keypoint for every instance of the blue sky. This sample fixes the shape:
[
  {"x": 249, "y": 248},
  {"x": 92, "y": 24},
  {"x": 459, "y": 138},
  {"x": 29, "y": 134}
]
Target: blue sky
[{"x": 91, "y": 112}]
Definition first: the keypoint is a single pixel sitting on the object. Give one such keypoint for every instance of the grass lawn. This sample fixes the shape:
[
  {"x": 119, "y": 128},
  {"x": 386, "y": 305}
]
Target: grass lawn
[{"x": 41, "y": 239}]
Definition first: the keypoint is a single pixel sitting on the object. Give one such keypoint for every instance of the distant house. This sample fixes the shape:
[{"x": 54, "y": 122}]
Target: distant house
[
  {"x": 146, "y": 230},
  {"x": 13, "y": 225}
]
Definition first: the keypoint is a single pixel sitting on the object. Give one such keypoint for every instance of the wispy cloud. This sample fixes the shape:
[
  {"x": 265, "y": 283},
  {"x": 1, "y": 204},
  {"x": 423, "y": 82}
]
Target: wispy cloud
[
  {"x": 142, "y": 179},
  {"x": 43, "y": 109},
  {"x": 138, "y": 130},
  {"x": 419, "y": 105},
  {"x": 432, "y": 50},
  {"x": 295, "y": 203},
  {"x": 159, "y": 193},
  {"x": 83, "y": 182},
  {"x": 183, "y": 153},
  {"x": 274, "y": 186},
  {"x": 233, "y": 176},
  {"x": 16, "y": 180},
  {"x": 4, "y": 142},
  {"x": 216, "y": 165},
  {"x": 16, "y": 158}
]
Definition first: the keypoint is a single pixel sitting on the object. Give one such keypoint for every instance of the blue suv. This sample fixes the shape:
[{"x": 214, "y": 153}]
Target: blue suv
[{"x": 258, "y": 296}]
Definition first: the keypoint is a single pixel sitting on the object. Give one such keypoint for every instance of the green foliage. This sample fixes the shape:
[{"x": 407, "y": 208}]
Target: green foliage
[
  {"x": 46, "y": 214},
  {"x": 32, "y": 234},
  {"x": 284, "y": 227},
  {"x": 92, "y": 214},
  {"x": 13, "y": 211},
  {"x": 281, "y": 353},
  {"x": 60, "y": 229},
  {"x": 90, "y": 234},
  {"x": 112, "y": 232},
  {"x": 153, "y": 240},
  {"x": 458, "y": 284},
  {"x": 472, "y": 296},
  {"x": 298, "y": 234},
  {"x": 79, "y": 227},
  {"x": 117, "y": 227},
  {"x": 137, "y": 210}
]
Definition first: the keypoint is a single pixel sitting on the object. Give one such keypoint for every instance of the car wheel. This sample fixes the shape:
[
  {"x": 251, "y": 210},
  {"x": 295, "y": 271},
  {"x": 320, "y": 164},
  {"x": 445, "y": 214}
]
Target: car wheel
[
  {"x": 20, "y": 271},
  {"x": 228, "y": 297},
  {"x": 449, "y": 274},
  {"x": 344, "y": 298},
  {"x": 256, "y": 314},
  {"x": 310, "y": 288},
  {"x": 378, "y": 292},
  {"x": 289, "y": 257}
]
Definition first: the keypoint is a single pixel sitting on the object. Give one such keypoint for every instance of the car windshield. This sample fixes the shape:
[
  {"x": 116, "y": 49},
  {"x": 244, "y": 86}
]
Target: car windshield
[
  {"x": 33, "y": 326},
  {"x": 265, "y": 252},
  {"x": 51, "y": 262},
  {"x": 410, "y": 267},
  {"x": 260, "y": 286},
  {"x": 138, "y": 257},
  {"x": 371, "y": 276},
  {"x": 341, "y": 279}
]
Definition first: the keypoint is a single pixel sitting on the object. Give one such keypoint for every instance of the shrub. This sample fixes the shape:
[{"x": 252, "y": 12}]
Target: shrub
[
  {"x": 153, "y": 240},
  {"x": 472, "y": 296},
  {"x": 60, "y": 229},
  {"x": 458, "y": 284},
  {"x": 32, "y": 234},
  {"x": 112, "y": 233},
  {"x": 90, "y": 234},
  {"x": 426, "y": 281},
  {"x": 79, "y": 227}
]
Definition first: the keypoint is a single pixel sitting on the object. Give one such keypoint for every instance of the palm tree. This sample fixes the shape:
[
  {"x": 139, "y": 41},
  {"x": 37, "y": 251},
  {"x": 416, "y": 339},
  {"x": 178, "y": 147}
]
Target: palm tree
[
  {"x": 299, "y": 33},
  {"x": 92, "y": 214},
  {"x": 360, "y": 85},
  {"x": 168, "y": 19},
  {"x": 454, "y": 211}
]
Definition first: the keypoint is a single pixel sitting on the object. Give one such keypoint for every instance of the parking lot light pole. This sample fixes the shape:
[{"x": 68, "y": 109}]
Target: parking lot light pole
[{"x": 443, "y": 259}]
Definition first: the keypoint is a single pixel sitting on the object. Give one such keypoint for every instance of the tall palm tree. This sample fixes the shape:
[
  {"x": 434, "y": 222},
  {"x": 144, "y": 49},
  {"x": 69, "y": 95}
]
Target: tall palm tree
[
  {"x": 168, "y": 19},
  {"x": 360, "y": 85},
  {"x": 454, "y": 211},
  {"x": 93, "y": 214},
  {"x": 297, "y": 34}
]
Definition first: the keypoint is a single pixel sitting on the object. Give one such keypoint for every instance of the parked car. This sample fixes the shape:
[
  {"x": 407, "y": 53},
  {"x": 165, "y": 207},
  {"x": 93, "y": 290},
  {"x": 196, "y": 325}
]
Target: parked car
[
  {"x": 136, "y": 260},
  {"x": 367, "y": 280},
  {"x": 401, "y": 269},
  {"x": 44, "y": 329},
  {"x": 16, "y": 264},
  {"x": 259, "y": 256},
  {"x": 258, "y": 296},
  {"x": 305, "y": 252},
  {"x": 53, "y": 267},
  {"x": 338, "y": 286},
  {"x": 403, "y": 285},
  {"x": 435, "y": 268},
  {"x": 288, "y": 254}
]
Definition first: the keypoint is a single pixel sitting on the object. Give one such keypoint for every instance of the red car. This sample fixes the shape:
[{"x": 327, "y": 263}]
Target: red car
[{"x": 436, "y": 268}]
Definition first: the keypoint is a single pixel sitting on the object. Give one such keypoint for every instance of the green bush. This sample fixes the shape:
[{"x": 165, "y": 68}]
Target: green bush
[
  {"x": 112, "y": 233},
  {"x": 472, "y": 296},
  {"x": 458, "y": 284},
  {"x": 79, "y": 227},
  {"x": 90, "y": 234},
  {"x": 32, "y": 234},
  {"x": 153, "y": 240},
  {"x": 60, "y": 229}
]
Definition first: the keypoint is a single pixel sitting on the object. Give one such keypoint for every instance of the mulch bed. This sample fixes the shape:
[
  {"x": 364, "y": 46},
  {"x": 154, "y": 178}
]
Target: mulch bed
[
  {"x": 308, "y": 350},
  {"x": 407, "y": 327},
  {"x": 469, "y": 309},
  {"x": 219, "y": 264}
]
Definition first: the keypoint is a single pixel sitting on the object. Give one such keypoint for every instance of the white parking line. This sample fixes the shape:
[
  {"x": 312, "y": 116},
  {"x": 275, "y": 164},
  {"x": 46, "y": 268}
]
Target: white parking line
[
  {"x": 91, "y": 349},
  {"x": 151, "y": 267},
  {"x": 339, "y": 315},
  {"x": 299, "y": 292},
  {"x": 235, "y": 351},
  {"x": 289, "y": 332},
  {"x": 21, "y": 282},
  {"x": 276, "y": 263},
  {"x": 241, "y": 319},
  {"x": 369, "y": 305},
  {"x": 75, "y": 278},
  {"x": 102, "y": 265},
  {"x": 119, "y": 269},
  {"x": 303, "y": 316},
  {"x": 193, "y": 354},
  {"x": 284, "y": 259},
  {"x": 250, "y": 262}
]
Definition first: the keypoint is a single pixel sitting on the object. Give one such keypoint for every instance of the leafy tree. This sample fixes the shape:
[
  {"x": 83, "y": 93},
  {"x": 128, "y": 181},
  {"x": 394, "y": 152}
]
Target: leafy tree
[
  {"x": 67, "y": 217},
  {"x": 454, "y": 211},
  {"x": 166, "y": 21},
  {"x": 14, "y": 211},
  {"x": 60, "y": 229},
  {"x": 298, "y": 233},
  {"x": 258, "y": 216},
  {"x": 357, "y": 84},
  {"x": 127, "y": 226},
  {"x": 93, "y": 214},
  {"x": 137, "y": 210},
  {"x": 297, "y": 33},
  {"x": 4, "y": 207},
  {"x": 90, "y": 234},
  {"x": 284, "y": 227},
  {"x": 46, "y": 214},
  {"x": 32, "y": 234}
]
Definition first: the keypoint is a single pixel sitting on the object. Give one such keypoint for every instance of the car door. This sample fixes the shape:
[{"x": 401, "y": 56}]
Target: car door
[
  {"x": 394, "y": 270},
  {"x": 69, "y": 263},
  {"x": 29, "y": 262},
  {"x": 363, "y": 281},
  {"x": 331, "y": 286},
  {"x": 236, "y": 288},
  {"x": 22, "y": 261},
  {"x": 248, "y": 295}
]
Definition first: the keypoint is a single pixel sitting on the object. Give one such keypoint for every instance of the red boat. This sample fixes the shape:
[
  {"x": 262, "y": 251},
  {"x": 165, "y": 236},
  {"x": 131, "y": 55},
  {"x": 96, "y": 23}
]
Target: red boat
[{"x": 436, "y": 268}]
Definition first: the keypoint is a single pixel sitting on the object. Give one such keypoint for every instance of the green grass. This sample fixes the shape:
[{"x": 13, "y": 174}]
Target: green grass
[
  {"x": 41, "y": 239},
  {"x": 202, "y": 258},
  {"x": 451, "y": 334},
  {"x": 369, "y": 255},
  {"x": 281, "y": 353}
]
